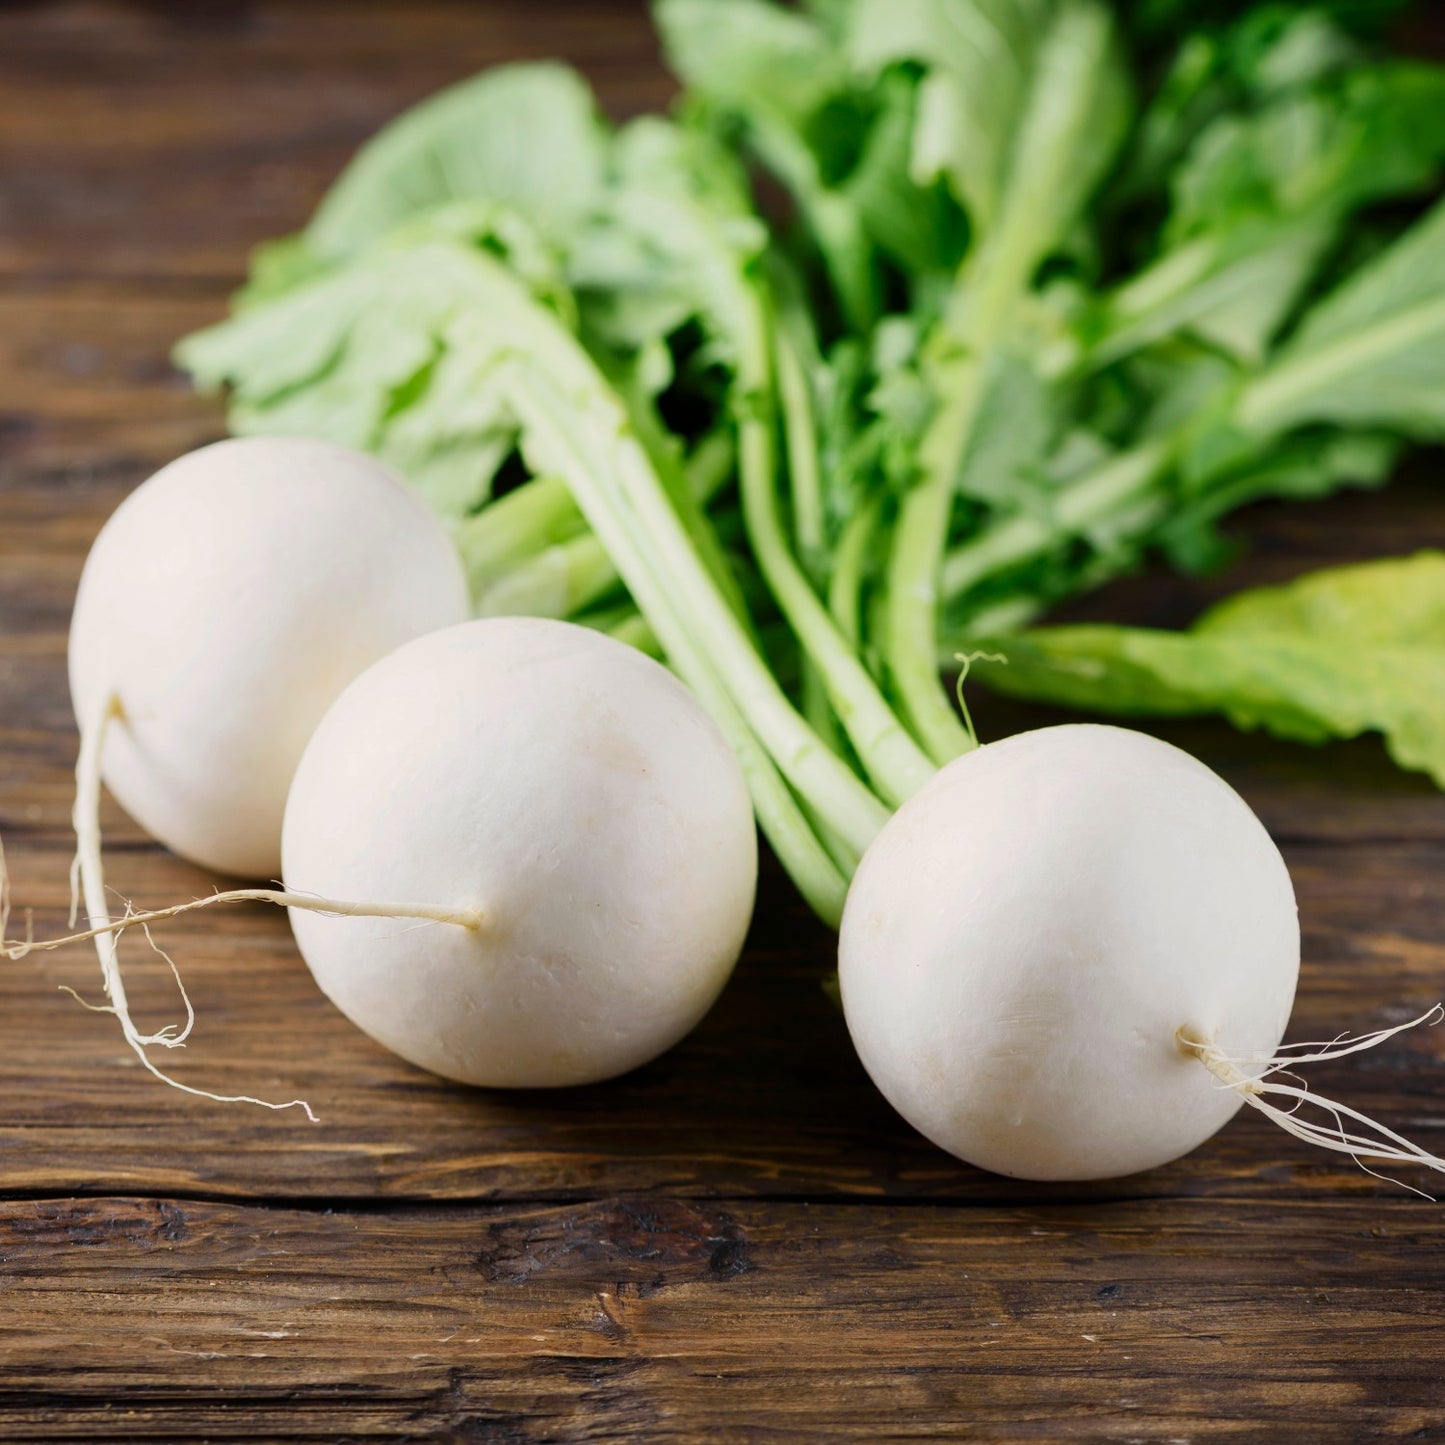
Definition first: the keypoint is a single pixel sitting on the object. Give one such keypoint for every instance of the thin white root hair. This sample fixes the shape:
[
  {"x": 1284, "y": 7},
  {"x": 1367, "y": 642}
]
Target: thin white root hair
[
  {"x": 73, "y": 916},
  {"x": 469, "y": 918},
  {"x": 88, "y": 884},
  {"x": 5, "y": 894},
  {"x": 85, "y": 1003},
  {"x": 1367, "y": 1139},
  {"x": 172, "y": 1036},
  {"x": 1341, "y": 1044},
  {"x": 85, "y": 818}
]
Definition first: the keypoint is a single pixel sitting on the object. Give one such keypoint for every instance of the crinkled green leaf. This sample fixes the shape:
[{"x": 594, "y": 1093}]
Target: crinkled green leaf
[
  {"x": 1307, "y": 46},
  {"x": 1261, "y": 56},
  {"x": 781, "y": 78},
  {"x": 751, "y": 54},
  {"x": 1340, "y": 652},
  {"x": 918, "y": 227},
  {"x": 526, "y": 136},
  {"x": 363, "y": 353},
  {"x": 1378, "y": 130},
  {"x": 365, "y": 356},
  {"x": 681, "y": 207},
  {"x": 780, "y": 81},
  {"x": 1022, "y": 107},
  {"x": 1024, "y": 181},
  {"x": 665, "y": 244},
  {"x": 1165, "y": 19},
  {"x": 1234, "y": 288},
  {"x": 524, "y": 142}
]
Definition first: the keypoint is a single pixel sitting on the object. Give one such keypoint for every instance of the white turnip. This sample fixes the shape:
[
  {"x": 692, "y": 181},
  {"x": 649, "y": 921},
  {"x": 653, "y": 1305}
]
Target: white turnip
[
  {"x": 1073, "y": 954},
  {"x": 223, "y": 607},
  {"x": 1030, "y": 933},
  {"x": 572, "y": 793}
]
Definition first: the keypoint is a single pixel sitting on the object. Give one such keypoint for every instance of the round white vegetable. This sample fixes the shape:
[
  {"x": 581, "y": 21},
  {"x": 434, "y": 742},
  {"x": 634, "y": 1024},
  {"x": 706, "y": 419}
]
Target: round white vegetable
[
  {"x": 1025, "y": 940},
  {"x": 225, "y": 604},
  {"x": 573, "y": 791}
]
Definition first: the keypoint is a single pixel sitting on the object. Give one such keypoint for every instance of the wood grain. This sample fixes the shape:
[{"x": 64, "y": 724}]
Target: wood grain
[
  {"x": 739, "y": 1242},
  {"x": 672, "y": 1320}
]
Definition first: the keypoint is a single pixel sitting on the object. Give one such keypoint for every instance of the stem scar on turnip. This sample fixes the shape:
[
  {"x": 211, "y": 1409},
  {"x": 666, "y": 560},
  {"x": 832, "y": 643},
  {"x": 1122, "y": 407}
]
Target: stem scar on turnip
[{"x": 1073, "y": 954}]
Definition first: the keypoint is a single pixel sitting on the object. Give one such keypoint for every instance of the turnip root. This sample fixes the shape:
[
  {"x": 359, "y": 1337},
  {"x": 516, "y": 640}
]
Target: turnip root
[
  {"x": 223, "y": 607},
  {"x": 573, "y": 793},
  {"x": 1073, "y": 954},
  {"x": 1027, "y": 938}
]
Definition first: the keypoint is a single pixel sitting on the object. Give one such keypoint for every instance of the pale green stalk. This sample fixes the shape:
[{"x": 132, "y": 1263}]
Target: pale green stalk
[{"x": 1042, "y": 167}]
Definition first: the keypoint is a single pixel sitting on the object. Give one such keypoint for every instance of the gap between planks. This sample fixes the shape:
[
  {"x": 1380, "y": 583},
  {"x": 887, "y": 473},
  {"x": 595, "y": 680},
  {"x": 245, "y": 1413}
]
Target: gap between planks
[{"x": 1304, "y": 1195}]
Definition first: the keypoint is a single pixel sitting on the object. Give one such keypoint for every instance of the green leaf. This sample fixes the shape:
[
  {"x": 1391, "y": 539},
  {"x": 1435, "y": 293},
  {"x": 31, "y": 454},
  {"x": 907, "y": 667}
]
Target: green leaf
[
  {"x": 366, "y": 356},
  {"x": 1370, "y": 354},
  {"x": 681, "y": 207},
  {"x": 1021, "y": 108},
  {"x": 1004, "y": 462},
  {"x": 525, "y": 136},
  {"x": 980, "y": 58},
  {"x": 1267, "y": 53},
  {"x": 1302, "y": 467},
  {"x": 668, "y": 242},
  {"x": 1234, "y": 288},
  {"x": 1051, "y": 150},
  {"x": 1169, "y": 17},
  {"x": 782, "y": 83},
  {"x": 751, "y": 54},
  {"x": 918, "y": 227},
  {"x": 781, "y": 78},
  {"x": 1339, "y": 652},
  {"x": 365, "y": 353},
  {"x": 1261, "y": 199},
  {"x": 1376, "y": 131}
]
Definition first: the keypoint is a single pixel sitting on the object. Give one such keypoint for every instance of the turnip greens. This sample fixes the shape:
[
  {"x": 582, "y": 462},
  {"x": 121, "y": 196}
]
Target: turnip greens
[{"x": 915, "y": 318}]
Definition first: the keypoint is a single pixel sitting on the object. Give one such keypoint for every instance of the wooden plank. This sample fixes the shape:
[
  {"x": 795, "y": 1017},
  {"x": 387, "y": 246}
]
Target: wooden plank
[
  {"x": 654, "y": 1320},
  {"x": 158, "y": 143}
]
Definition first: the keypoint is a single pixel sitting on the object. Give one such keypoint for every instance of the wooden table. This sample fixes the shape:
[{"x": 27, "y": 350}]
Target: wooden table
[{"x": 739, "y": 1242}]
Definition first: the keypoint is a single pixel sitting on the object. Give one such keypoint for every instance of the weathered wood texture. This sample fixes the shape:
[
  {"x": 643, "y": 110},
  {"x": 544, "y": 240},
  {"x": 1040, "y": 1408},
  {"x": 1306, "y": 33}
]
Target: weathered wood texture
[
  {"x": 739, "y": 1242},
  {"x": 679, "y": 1320}
]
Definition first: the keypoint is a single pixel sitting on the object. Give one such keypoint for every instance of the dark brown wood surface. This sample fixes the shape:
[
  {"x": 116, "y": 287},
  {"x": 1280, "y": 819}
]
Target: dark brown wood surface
[{"x": 739, "y": 1242}]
